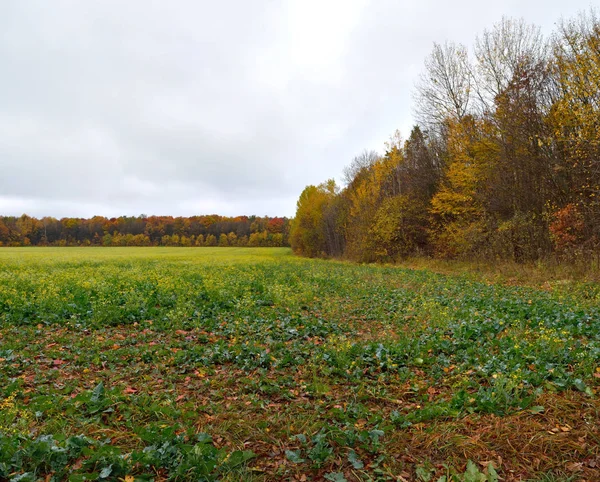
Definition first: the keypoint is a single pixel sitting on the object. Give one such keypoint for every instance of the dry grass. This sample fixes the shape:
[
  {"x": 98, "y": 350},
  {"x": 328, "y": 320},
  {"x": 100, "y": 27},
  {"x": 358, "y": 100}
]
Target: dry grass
[
  {"x": 540, "y": 274},
  {"x": 563, "y": 440}
]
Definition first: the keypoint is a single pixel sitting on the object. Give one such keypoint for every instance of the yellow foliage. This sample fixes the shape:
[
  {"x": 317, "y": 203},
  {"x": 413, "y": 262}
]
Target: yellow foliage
[{"x": 468, "y": 152}]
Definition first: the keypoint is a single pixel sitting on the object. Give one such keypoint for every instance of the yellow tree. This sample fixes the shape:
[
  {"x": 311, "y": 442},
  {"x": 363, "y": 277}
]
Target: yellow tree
[
  {"x": 363, "y": 196},
  {"x": 576, "y": 114},
  {"x": 308, "y": 235},
  {"x": 399, "y": 227},
  {"x": 457, "y": 206}
]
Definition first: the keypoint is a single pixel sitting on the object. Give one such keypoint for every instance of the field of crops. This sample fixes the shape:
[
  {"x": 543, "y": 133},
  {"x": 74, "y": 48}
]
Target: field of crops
[{"x": 241, "y": 364}]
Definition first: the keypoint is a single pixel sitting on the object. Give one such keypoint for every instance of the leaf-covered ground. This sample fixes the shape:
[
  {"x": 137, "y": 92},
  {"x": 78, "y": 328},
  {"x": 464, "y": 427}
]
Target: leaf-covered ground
[{"x": 240, "y": 364}]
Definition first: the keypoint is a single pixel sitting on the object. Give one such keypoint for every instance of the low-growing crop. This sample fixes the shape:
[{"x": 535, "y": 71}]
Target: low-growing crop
[{"x": 239, "y": 364}]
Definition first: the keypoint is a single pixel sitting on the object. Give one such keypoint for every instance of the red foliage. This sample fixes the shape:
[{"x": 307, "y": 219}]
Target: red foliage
[
  {"x": 567, "y": 228},
  {"x": 276, "y": 225}
]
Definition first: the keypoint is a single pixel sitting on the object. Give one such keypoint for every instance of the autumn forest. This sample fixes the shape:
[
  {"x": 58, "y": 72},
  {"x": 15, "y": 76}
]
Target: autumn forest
[
  {"x": 144, "y": 230},
  {"x": 503, "y": 164}
]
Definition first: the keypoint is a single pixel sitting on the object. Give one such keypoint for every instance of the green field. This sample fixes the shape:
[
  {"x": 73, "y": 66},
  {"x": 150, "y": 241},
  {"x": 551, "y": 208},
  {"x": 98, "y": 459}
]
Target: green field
[{"x": 242, "y": 364}]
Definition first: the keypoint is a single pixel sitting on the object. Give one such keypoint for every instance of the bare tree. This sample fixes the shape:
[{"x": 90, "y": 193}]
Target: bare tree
[
  {"x": 444, "y": 88},
  {"x": 511, "y": 46},
  {"x": 364, "y": 160},
  {"x": 576, "y": 48}
]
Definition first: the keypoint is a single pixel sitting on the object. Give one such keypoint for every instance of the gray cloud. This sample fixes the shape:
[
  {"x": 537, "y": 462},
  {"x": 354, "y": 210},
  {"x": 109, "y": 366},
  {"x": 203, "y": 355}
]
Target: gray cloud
[{"x": 184, "y": 107}]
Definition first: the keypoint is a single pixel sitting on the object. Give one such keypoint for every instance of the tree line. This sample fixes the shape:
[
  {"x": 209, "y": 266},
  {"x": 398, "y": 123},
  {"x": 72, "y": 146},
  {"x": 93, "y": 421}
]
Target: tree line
[
  {"x": 504, "y": 162},
  {"x": 144, "y": 230}
]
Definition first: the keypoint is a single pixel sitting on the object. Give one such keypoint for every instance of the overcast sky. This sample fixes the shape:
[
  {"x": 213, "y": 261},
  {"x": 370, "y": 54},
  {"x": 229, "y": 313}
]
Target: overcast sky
[{"x": 189, "y": 107}]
